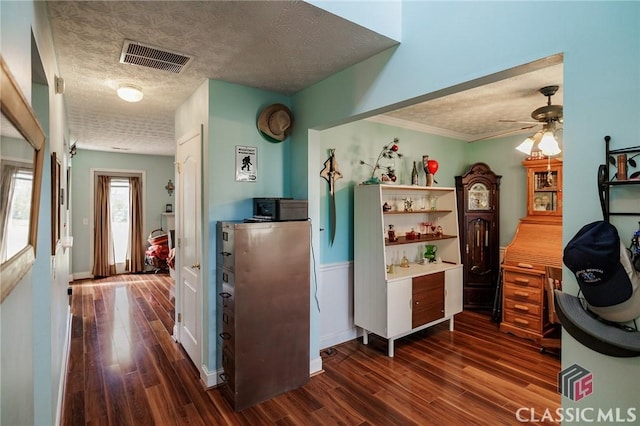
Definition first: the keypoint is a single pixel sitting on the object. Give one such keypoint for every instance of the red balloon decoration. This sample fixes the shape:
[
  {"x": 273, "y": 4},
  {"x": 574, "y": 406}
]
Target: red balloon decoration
[{"x": 432, "y": 165}]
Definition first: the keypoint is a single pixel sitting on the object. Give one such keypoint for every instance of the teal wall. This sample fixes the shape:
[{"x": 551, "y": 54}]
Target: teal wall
[
  {"x": 443, "y": 44},
  {"x": 363, "y": 140},
  {"x": 449, "y": 43},
  {"x": 158, "y": 170},
  {"x": 233, "y": 114},
  {"x": 504, "y": 160}
]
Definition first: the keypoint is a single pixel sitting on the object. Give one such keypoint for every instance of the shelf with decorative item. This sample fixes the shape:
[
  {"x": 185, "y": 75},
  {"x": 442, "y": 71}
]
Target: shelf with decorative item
[
  {"x": 417, "y": 212},
  {"x": 421, "y": 238},
  {"x": 623, "y": 163}
]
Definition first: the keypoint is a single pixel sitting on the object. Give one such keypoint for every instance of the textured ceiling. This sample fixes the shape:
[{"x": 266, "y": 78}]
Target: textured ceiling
[
  {"x": 281, "y": 46},
  {"x": 475, "y": 114}
]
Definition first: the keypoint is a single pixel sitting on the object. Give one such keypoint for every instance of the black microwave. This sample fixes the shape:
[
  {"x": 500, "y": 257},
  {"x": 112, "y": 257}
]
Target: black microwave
[{"x": 280, "y": 209}]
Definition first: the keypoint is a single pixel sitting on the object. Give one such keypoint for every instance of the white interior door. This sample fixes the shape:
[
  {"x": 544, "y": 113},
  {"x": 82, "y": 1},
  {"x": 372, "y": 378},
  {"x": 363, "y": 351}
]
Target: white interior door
[{"x": 189, "y": 285}]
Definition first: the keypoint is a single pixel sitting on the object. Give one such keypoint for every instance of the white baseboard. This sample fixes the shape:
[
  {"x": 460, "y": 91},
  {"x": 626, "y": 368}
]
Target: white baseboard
[
  {"x": 208, "y": 378},
  {"x": 63, "y": 368},
  {"x": 315, "y": 366},
  {"x": 329, "y": 340},
  {"x": 81, "y": 276}
]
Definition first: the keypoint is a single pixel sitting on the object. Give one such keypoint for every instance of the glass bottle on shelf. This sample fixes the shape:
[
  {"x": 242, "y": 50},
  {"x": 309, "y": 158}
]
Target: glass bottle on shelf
[
  {"x": 392, "y": 234},
  {"x": 414, "y": 175}
]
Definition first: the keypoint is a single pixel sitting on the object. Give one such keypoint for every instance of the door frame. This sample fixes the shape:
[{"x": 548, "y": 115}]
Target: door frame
[{"x": 179, "y": 257}]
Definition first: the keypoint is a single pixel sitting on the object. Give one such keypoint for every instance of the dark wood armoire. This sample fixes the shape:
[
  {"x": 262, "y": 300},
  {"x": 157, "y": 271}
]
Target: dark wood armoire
[{"x": 478, "y": 192}]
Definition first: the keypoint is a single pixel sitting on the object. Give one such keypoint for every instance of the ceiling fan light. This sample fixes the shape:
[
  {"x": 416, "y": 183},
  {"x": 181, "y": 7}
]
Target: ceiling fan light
[
  {"x": 549, "y": 145},
  {"x": 526, "y": 146},
  {"x": 130, "y": 93}
]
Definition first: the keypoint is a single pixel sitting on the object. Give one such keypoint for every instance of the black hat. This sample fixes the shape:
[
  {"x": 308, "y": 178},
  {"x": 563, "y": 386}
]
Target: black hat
[{"x": 604, "y": 272}]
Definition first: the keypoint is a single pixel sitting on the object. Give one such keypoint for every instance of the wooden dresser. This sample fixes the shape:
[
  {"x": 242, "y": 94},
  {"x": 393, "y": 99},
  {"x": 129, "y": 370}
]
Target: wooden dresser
[
  {"x": 524, "y": 305},
  {"x": 536, "y": 244}
]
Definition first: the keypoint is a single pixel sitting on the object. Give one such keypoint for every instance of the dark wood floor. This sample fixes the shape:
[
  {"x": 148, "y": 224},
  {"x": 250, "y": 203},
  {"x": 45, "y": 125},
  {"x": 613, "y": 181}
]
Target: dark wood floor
[{"x": 124, "y": 368}]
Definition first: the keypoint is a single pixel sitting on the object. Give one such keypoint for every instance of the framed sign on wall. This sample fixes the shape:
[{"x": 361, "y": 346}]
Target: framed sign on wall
[{"x": 246, "y": 163}]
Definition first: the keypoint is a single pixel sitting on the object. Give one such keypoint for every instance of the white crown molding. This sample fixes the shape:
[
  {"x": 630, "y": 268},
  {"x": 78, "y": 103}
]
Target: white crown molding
[{"x": 418, "y": 127}]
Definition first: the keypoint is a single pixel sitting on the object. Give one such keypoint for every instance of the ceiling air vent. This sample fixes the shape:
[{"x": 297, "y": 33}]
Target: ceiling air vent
[{"x": 136, "y": 53}]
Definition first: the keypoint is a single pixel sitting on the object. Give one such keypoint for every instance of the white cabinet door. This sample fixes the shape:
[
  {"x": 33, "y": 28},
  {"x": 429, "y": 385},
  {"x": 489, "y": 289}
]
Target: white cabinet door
[
  {"x": 398, "y": 307},
  {"x": 453, "y": 291}
]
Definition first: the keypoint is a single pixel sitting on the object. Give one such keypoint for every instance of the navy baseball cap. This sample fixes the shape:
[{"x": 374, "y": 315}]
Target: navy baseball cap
[{"x": 602, "y": 266}]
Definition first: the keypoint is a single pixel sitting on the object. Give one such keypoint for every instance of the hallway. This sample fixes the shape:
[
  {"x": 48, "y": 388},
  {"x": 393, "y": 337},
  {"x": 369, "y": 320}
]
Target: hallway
[{"x": 124, "y": 368}]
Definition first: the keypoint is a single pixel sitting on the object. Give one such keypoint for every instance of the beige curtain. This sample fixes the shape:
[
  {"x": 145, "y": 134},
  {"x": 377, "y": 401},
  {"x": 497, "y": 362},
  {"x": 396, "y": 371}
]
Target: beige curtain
[
  {"x": 103, "y": 253},
  {"x": 135, "y": 254}
]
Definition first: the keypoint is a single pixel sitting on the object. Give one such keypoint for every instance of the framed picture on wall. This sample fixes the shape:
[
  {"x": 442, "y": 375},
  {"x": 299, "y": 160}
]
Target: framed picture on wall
[
  {"x": 246, "y": 163},
  {"x": 68, "y": 186},
  {"x": 56, "y": 199}
]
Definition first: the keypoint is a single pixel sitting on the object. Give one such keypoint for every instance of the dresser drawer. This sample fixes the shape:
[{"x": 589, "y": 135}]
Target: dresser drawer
[
  {"x": 524, "y": 321},
  {"x": 228, "y": 334},
  {"x": 522, "y": 308},
  {"x": 227, "y": 246},
  {"x": 227, "y": 296},
  {"x": 228, "y": 322},
  {"x": 523, "y": 279},
  {"x": 522, "y": 294},
  {"x": 229, "y": 368}
]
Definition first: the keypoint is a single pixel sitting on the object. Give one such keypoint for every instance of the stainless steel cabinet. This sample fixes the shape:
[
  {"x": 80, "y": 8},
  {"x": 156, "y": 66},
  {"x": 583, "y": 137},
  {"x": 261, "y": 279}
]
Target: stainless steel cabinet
[{"x": 263, "y": 288}]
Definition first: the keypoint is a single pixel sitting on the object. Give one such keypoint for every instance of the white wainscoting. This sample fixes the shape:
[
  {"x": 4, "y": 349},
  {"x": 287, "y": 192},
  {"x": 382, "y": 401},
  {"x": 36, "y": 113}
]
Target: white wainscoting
[{"x": 335, "y": 296}]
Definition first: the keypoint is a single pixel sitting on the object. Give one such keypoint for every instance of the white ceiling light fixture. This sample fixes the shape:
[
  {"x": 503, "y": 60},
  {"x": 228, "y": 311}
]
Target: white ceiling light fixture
[
  {"x": 526, "y": 146},
  {"x": 544, "y": 142},
  {"x": 548, "y": 144},
  {"x": 130, "y": 92}
]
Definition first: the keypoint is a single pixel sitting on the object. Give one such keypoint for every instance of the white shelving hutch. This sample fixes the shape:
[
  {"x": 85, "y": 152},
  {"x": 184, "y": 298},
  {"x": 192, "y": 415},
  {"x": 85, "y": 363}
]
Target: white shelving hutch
[{"x": 393, "y": 305}]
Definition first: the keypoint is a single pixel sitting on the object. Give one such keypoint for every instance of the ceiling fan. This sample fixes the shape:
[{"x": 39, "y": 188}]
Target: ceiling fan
[
  {"x": 546, "y": 113},
  {"x": 549, "y": 116}
]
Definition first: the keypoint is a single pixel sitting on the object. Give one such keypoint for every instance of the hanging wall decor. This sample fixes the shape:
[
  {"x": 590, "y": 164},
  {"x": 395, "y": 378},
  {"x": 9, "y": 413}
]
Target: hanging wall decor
[
  {"x": 246, "y": 163},
  {"x": 331, "y": 173}
]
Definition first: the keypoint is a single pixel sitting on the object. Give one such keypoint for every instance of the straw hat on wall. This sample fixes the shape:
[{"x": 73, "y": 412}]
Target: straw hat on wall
[{"x": 275, "y": 122}]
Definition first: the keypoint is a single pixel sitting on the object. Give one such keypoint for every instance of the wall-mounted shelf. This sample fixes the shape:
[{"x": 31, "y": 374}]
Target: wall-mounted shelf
[
  {"x": 418, "y": 212},
  {"x": 422, "y": 238},
  {"x": 605, "y": 183}
]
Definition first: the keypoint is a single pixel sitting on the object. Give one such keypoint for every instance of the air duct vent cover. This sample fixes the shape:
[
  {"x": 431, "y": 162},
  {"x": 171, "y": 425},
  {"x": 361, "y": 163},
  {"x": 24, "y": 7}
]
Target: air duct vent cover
[{"x": 144, "y": 55}]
